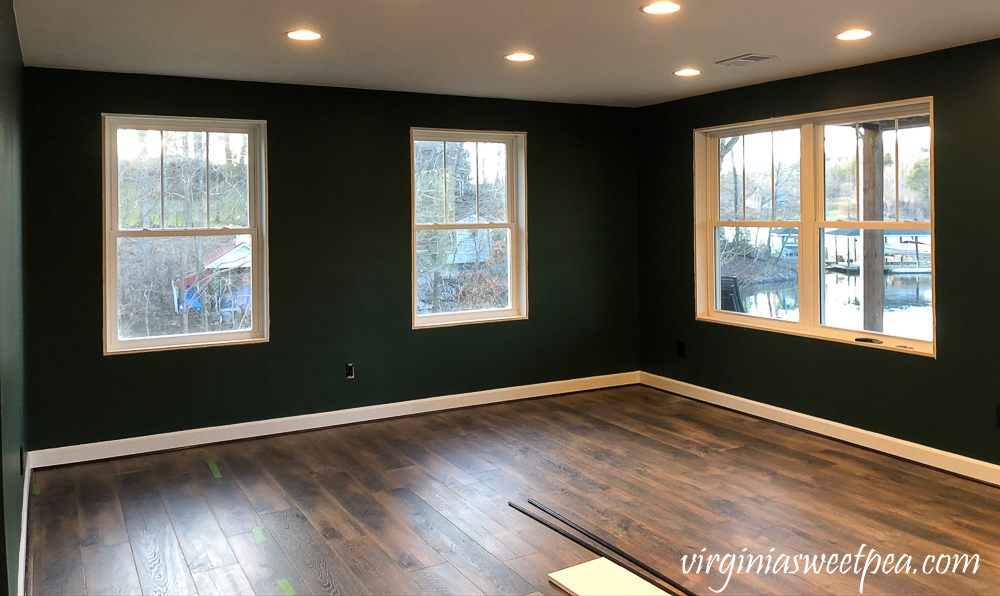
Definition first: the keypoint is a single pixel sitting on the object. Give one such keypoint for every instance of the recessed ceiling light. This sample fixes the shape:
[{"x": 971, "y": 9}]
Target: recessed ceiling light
[
  {"x": 687, "y": 72},
  {"x": 662, "y": 7},
  {"x": 520, "y": 57},
  {"x": 854, "y": 35},
  {"x": 304, "y": 35}
]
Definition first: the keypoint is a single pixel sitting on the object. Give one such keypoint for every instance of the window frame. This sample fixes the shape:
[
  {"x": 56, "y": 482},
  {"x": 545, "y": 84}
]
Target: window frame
[
  {"x": 812, "y": 212},
  {"x": 256, "y": 228},
  {"x": 516, "y": 225}
]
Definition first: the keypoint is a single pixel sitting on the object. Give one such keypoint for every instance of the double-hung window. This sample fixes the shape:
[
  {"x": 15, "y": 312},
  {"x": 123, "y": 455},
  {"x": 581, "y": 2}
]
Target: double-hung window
[
  {"x": 469, "y": 235},
  {"x": 185, "y": 250},
  {"x": 820, "y": 225}
]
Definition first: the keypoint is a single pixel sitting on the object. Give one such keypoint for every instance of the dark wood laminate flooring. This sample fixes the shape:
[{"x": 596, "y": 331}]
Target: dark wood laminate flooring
[{"x": 419, "y": 506}]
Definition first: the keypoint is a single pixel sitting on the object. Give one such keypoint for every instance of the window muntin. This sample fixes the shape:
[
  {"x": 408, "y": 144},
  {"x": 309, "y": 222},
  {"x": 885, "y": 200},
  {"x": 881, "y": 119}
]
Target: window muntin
[
  {"x": 185, "y": 246},
  {"x": 865, "y": 180},
  {"x": 469, "y": 227}
]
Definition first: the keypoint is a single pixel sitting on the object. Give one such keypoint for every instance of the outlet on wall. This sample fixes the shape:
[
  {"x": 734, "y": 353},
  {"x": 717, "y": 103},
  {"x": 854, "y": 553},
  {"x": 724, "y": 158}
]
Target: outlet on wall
[{"x": 349, "y": 370}]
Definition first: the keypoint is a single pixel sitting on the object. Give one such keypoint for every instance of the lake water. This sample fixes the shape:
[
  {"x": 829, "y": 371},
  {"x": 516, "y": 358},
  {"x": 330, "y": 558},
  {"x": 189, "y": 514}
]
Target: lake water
[{"x": 908, "y": 311}]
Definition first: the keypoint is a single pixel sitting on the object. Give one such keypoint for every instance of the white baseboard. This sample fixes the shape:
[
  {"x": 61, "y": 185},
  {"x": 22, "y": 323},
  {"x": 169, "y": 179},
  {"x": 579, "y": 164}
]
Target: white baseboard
[
  {"x": 936, "y": 458},
  {"x": 22, "y": 552},
  {"x": 944, "y": 460},
  {"x": 216, "y": 434}
]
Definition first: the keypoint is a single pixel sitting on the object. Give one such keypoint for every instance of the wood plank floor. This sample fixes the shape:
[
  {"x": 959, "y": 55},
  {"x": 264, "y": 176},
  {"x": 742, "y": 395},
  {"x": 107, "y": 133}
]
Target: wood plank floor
[{"x": 419, "y": 506}]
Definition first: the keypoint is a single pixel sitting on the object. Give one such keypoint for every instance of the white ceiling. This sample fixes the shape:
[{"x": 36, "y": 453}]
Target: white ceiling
[{"x": 589, "y": 51}]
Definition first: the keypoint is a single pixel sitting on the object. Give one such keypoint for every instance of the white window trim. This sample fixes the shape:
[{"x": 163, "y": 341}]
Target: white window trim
[
  {"x": 706, "y": 218},
  {"x": 257, "y": 229},
  {"x": 516, "y": 224}
]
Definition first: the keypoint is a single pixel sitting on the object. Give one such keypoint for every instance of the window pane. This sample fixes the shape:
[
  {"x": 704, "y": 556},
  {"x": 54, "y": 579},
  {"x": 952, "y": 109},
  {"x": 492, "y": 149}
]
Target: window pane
[
  {"x": 879, "y": 281},
  {"x": 915, "y": 169},
  {"x": 840, "y": 153},
  {"x": 428, "y": 183},
  {"x": 138, "y": 179},
  {"x": 757, "y": 156},
  {"x": 461, "y": 170},
  {"x": 758, "y": 271},
  {"x": 787, "y": 176},
  {"x": 184, "y": 168},
  {"x": 492, "y": 182},
  {"x": 462, "y": 270},
  {"x": 759, "y": 176},
  {"x": 183, "y": 284},
  {"x": 731, "y": 178},
  {"x": 229, "y": 185}
]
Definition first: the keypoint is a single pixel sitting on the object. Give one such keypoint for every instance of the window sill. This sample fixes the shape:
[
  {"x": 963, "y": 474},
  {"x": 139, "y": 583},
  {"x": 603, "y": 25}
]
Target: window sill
[
  {"x": 889, "y": 342},
  {"x": 450, "y": 320},
  {"x": 124, "y": 347}
]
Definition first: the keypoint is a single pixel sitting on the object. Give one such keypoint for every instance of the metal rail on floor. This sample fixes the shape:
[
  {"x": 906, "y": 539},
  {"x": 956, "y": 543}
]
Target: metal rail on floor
[{"x": 652, "y": 575}]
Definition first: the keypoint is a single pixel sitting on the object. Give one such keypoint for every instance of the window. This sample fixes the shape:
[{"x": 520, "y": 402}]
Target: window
[
  {"x": 185, "y": 251},
  {"x": 820, "y": 225},
  {"x": 469, "y": 253}
]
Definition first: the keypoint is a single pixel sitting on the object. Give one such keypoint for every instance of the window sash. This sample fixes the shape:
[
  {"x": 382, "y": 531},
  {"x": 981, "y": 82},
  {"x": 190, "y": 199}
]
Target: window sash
[
  {"x": 252, "y": 128},
  {"x": 509, "y": 140},
  {"x": 812, "y": 210},
  {"x": 256, "y": 228}
]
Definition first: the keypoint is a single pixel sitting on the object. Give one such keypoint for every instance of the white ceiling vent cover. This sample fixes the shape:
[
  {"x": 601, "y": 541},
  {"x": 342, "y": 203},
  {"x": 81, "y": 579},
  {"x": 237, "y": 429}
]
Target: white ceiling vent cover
[{"x": 744, "y": 60}]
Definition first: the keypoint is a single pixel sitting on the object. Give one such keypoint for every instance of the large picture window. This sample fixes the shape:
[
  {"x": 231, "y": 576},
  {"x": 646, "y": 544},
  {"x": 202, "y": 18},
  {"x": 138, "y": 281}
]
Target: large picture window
[
  {"x": 469, "y": 252},
  {"x": 185, "y": 233},
  {"x": 820, "y": 225}
]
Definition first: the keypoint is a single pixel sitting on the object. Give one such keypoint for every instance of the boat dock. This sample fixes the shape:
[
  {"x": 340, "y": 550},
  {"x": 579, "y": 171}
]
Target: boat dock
[{"x": 855, "y": 269}]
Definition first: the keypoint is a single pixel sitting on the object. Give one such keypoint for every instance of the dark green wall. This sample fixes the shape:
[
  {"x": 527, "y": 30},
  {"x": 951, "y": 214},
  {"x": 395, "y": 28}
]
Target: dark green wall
[
  {"x": 11, "y": 319},
  {"x": 604, "y": 185},
  {"x": 339, "y": 207},
  {"x": 947, "y": 403}
]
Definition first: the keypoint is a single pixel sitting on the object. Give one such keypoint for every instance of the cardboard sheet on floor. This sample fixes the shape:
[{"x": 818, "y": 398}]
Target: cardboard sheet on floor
[{"x": 602, "y": 577}]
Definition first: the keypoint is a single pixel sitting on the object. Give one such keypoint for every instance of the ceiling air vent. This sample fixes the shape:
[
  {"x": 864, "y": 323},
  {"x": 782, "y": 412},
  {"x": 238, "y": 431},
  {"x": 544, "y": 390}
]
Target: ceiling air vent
[{"x": 744, "y": 60}]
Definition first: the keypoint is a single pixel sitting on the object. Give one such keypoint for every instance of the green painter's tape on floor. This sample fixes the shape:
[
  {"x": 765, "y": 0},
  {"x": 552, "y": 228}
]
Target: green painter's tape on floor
[
  {"x": 286, "y": 587},
  {"x": 127, "y": 473},
  {"x": 37, "y": 489},
  {"x": 258, "y": 534},
  {"x": 214, "y": 468}
]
